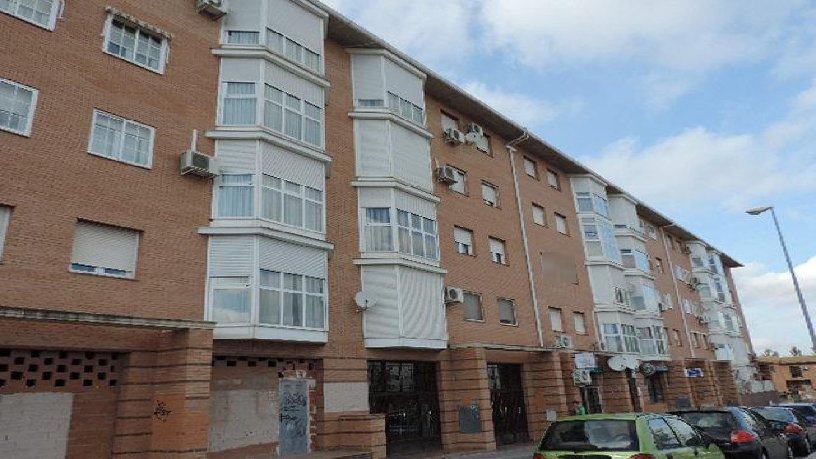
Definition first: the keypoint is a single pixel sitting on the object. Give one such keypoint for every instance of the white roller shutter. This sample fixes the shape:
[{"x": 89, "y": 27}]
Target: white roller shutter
[
  {"x": 463, "y": 236},
  {"x": 104, "y": 246},
  {"x": 5, "y": 217}
]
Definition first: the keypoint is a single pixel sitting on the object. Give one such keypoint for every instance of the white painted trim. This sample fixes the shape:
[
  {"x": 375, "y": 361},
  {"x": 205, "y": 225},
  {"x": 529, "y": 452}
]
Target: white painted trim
[
  {"x": 397, "y": 259},
  {"x": 35, "y": 94},
  {"x": 268, "y": 135},
  {"x": 272, "y": 333},
  {"x": 152, "y": 130},
  {"x": 390, "y": 56},
  {"x": 260, "y": 52},
  {"x": 266, "y": 232},
  {"x": 406, "y": 343},
  {"x": 376, "y": 113},
  {"x": 165, "y": 46},
  {"x": 56, "y": 8},
  {"x": 391, "y": 182}
]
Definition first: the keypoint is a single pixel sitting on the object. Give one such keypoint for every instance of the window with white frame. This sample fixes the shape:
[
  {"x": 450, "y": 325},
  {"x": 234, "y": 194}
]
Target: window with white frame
[
  {"x": 39, "y": 12},
  {"x": 5, "y": 219},
  {"x": 460, "y": 185},
  {"x": 472, "y": 303},
  {"x": 555, "y": 319},
  {"x": 483, "y": 144},
  {"x": 646, "y": 340},
  {"x": 687, "y": 306},
  {"x": 449, "y": 122},
  {"x": 497, "y": 250},
  {"x": 121, "y": 139},
  {"x": 292, "y": 204},
  {"x": 621, "y": 296},
  {"x": 464, "y": 240},
  {"x": 292, "y": 300},
  {"x": 406, "y": 109},
  {"x": 676, "y": 338},
  {"x": 235, "y": 195},
  {"x": 661, "y": 342},
  {"x": 416, "y": 234},
  {"x": 238, "y": 104},
  {"x": 378, "y": 234},
  {"x": 579, "y": 320},
  {"x": 561, "y": 223},
  {"x": 292, "y": 50},
  {"x": 635, "y": 259},
  {"x": 718, "y": 286},
  {"x": 243, "y": 37},
  {"x": 539, "y": 215},
  {"x": 591, "y": 202},
  {"x": 135, "y": 44},
  {"x": 530, "y": 168},
  {"x": 553, "y": 180},
  {"x": 612, "y": 337},
  {"x": 490, "y": 194},
  {"x": 507, "y": 311},
  {"x": 230, "y": 300},
  {"x": 105, "y": 250},
  {"x": 17, "y": 106},
  {"x": 630, "y": 338},
  {"x": 651, "y": 230},
  {"x": 292, "y": 116}
]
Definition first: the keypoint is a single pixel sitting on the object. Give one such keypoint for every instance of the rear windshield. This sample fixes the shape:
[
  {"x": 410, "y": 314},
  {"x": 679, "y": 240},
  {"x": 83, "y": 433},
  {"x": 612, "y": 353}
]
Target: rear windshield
[
  {"x": 710, "y": 420},
  {"x": 776, "y": 414},
  {"x": 807, "y": 410},
  {"x": 591, "y": 435}
]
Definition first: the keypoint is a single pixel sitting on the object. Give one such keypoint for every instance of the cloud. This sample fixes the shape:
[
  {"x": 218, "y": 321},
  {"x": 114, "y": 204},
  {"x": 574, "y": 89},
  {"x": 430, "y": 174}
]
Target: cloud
[
  {"x": 521, "y": 107},
  {"x": 699, "y": 165},
  {"x": 771, "y": 307}
]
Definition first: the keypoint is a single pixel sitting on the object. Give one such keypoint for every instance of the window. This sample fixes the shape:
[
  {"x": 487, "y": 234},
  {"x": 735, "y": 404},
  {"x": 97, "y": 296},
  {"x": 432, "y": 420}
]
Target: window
[
  {"x": 292, "y": 116},
  {"x": 460, "y": 186},
  {"x": 473, "y": 307},
  {"x": 121, "y": 140},
  {"x": 555, "y": 319},
  {"x": 5, "y": 218},
  {"x": 651, "y": 230},
  {"x": 697, "y": 339},
  {"x": 291, "y": 204},
  {"x": 378, "y": 229},
  {"x": 630, "y": 338},
  {"x": 612, "y": 338},
  {"x": 291, "y": 300},
  {"x": 483, "y": 144},
  {"x": 243, "y": 37},
  {"x": 646, "y": 340},
  {"x": 552, "y": 180},
  {"x": 279, "y": 44},
  {"x": 580, "y": 323},
  {"x": 635, "y": 259},
  {"x": 660, "y": 340},
  {"x": 17, "y": 106},
  {"x": 135, "y": 44},
  {"x": 676, "y": 338},
  {"x": 238, "y": 107},
  {"x": 497, "y": 250},
  {"x": 449, "y": 122},
  {"x": 104, "y": 250},
  {"x": 539, "y": 215},
  {"x": 507, "y": 311},
  {"x": 685, "y": 433},
  {"x": 659, "y": 265},
  {"x": 464, "y": 240},
  {"x": 670, "y": 241},
  {"x": 416, "y": 234},
  {"x": 561, "y": 223},
  {"x": 796, "y": 371},
  {"x": 591, "y": 202},
  {"x": 654, "y": 384},
  {"x": 490, "y": 194},
  {"x": 230, "y": 299},
  {"x": 405, "y": 109},
  {"x": 40, "y": 12},
  {"x": 235, "y": 195},
  {"x": 530, "y": 168},
  {"x": 663, "y": 434}
]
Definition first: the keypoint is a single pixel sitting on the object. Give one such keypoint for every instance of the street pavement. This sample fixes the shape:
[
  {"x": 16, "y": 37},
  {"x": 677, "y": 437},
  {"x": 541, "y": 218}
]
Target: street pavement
[{"x": 523, "y": 451}]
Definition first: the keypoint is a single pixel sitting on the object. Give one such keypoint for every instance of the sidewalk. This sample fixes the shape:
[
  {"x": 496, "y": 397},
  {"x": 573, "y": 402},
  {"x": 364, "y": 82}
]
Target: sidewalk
[{"x": 521, "y": 451}]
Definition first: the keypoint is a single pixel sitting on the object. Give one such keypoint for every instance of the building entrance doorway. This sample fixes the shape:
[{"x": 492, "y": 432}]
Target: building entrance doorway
[{"x": 507, "y": 400}]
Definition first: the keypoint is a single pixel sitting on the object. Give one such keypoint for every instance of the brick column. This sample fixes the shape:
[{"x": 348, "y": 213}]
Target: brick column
[
  {"x": 544, "y": 388},
  {"x": 703, "y": 389},
  {"x": 463, "y": 382},
  {"x": 726, "y": 383},
  {"x": 677, "y": 384}
]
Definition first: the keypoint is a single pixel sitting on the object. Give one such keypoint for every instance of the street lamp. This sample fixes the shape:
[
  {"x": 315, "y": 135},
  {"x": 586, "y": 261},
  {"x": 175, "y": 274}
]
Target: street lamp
[{"x": 759, "y": 210}]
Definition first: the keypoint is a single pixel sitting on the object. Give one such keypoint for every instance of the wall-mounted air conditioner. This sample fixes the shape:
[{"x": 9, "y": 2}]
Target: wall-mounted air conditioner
[
  {"x": 212, "y": 8},
  {"x": 454, "y": 136},
  {"x": 454, "y": 295},
  {"x": 446, "y": 175},
  {"x": 195, "y": 163},
  {"x": 474, "y": 128}
]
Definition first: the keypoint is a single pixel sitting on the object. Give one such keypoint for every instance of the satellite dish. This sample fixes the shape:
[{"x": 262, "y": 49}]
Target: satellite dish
[
  {"x": 647, "y": 369},
  {"x": 617, "y": 363},
  {"x": 631, "y": 362},
  {"x": 364, "y": 300}
]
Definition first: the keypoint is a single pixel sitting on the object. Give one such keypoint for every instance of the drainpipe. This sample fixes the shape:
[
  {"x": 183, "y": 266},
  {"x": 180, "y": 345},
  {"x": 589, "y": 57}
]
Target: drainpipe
[
  {"x": 676, "y": 289},
  {"x": 530, "y": 277}
]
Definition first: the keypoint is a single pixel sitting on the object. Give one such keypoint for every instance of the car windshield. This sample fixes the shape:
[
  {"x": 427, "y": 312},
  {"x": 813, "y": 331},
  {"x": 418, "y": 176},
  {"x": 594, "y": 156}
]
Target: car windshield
[
  {"x": 776, "y": 413},
  {"x": 807, "y": 410},
  {"x": 591, "y": 435},
  {"x": 710, "y": 420}
]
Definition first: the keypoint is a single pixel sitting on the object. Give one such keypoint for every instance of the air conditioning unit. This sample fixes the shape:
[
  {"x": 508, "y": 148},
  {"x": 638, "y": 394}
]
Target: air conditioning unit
[
  {"x": 474, "y": 128},
  {"x": 566, "y": 342},
  {"x": 557, "y": 342},
  {"x": 454, "y": 295},
  {"x": 662, "y": 307},
  {"x": 446, "y": 175},
  {"x": 212, "y": 8},
  {"x": 454, "y": 136},
  {"x": 195, "y": 163},
  {"x": 581, "y": 377}
]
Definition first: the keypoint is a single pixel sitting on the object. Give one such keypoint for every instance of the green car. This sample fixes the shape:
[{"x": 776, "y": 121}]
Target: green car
[{"x": 625, "y": 436}]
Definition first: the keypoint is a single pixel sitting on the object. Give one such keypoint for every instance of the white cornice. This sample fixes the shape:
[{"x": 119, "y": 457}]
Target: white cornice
[
  {"x": 267, "y": 232},
  {"x": 267, "y": 135},
  {"x": 386, "y": 115}
]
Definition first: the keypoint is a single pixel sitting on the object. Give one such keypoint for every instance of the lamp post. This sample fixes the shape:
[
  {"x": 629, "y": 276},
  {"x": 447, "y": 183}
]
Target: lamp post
[{"x": 759, "y": 210}]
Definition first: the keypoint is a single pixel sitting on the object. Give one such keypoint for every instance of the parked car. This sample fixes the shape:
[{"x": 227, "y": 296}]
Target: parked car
[
  {"x": 625, "y": 436},
  {"x": 808, "y": 410},
  {"x": 795, "y": 425},
  {"x": 740, "y": 433}
]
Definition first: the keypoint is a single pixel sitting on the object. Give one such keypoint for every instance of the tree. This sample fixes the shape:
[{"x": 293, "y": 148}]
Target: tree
[
  {"x": 795, "y": 351},
  {"x": 770, "y": 353}
]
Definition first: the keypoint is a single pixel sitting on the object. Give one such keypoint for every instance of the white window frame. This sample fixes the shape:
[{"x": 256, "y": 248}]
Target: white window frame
[
  {"x": 32, "y": 109},
  {"x": 220, "y": 184},
  {"x": 553, "y": 180},
  {"x": 461, "y": 247},
  {"x": 556, "y": 319},
  {"x": 460, "y": 174},
  {"x": 163, "y": 53},
  {"x": 234, "y": 283},
  {"x": 398, "y": 105},
  {"x": 499, "y": 257},
  {"x": 561, "y": 224},
  {"x": 539, "y": 215},
  {"x": 229, "y": 32},
  {"x": 424, "y": 234},
  {"x": 514, "y": 309},
  {"x": 487, "y": 187},
  {"x": 285, "y": 188},
  {"x": 481, "y": 308},
  {"x": 5, "y": 222},
  {"x": 125, "y": 122},
  {"x": 530, "y": 168},
  {"x": 282, "y": 291},
  {"x": 284, "y": 43},
  {"x": 56, "y": 9},
  {"x": 579, "y": 318},
  {"x": 102, "y": 270},
  {"x": 611, "y": 332}
]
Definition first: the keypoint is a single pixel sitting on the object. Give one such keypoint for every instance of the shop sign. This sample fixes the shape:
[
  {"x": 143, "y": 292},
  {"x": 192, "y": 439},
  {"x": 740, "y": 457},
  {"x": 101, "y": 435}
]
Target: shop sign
[{"x": 585, "y": 360}]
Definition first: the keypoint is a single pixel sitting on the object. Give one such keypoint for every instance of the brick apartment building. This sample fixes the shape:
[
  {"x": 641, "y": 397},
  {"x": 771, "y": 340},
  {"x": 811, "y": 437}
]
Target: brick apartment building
[
  {"x": 381, "y": 262},
  {"x": 793, "y": 377}
]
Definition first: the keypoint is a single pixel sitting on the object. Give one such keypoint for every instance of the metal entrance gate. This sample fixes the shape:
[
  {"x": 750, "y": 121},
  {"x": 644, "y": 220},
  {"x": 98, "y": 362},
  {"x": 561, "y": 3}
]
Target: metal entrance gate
[
  {"x": 507, "y": 400},
  {"x": 406, "y": 393}
]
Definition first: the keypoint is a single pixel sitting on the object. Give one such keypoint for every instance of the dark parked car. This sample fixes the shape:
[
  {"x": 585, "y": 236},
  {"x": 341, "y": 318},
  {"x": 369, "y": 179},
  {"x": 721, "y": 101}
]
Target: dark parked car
[
  {"x": 739, "y": 433},
  {"x": 795, "y": 425}
]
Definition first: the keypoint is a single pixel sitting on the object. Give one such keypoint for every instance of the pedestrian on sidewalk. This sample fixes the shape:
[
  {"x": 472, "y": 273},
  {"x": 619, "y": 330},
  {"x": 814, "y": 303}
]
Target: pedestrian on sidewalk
[{"x": 580, "y": 409}]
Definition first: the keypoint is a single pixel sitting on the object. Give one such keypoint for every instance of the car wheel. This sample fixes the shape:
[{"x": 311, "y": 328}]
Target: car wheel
[
  {"x": 763, "y": 455},
  {"x": 790, "y": 451},
  {"x": 808, "y": 446}
]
